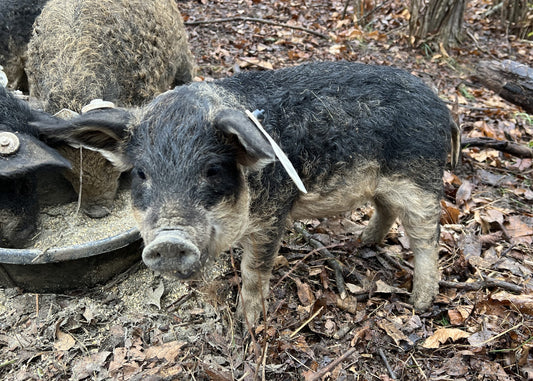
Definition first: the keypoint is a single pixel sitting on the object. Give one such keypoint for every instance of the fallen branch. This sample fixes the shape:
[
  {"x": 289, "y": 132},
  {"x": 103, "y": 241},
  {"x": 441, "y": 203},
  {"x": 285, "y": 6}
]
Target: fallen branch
[
  {"x": 252, "y": 19},
  {"x": 500, "y": 145},
  {"x": 488, "y": 282}
]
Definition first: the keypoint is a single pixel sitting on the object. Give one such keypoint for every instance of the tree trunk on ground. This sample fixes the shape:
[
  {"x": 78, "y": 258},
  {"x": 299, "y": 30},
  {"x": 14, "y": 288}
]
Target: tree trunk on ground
[
  {"x": 439, "y": 21},
  {"x": 509, "y": 79},
  {"x": 505, "y": 146}
]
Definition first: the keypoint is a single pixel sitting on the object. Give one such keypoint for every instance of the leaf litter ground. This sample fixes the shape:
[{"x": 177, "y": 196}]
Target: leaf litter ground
[{"x": 141, "y": 326}]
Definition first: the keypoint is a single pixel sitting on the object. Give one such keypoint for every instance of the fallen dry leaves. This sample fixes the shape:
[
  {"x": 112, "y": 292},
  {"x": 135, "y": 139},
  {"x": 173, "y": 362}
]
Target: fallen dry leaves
[{"x": 442, "y": 335}]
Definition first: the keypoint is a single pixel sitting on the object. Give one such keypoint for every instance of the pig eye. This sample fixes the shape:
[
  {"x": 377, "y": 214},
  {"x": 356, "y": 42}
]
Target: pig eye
[
  {"x": 140, "y": 174},
  {"x": 213, "y": 170}
]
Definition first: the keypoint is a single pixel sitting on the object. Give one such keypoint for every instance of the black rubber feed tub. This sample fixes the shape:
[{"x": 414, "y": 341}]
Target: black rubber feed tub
[
  {"x": 69, "y": 266},
  {"x": 72, "y": 267}
]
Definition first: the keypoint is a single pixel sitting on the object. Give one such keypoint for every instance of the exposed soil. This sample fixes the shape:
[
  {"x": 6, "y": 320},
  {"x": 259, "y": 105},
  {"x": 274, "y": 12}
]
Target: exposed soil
[{"x": 141, "y": 326}]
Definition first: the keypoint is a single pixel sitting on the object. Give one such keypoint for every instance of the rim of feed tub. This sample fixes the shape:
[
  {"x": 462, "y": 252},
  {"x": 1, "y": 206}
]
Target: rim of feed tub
[
  {"x": 75, "y": 267},
  {"x": 69, "y": 253}
]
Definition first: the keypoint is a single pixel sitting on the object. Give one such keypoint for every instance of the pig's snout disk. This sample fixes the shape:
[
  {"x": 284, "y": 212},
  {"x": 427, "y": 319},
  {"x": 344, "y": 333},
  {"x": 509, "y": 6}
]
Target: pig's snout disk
[{"x": 170, "y": 252}]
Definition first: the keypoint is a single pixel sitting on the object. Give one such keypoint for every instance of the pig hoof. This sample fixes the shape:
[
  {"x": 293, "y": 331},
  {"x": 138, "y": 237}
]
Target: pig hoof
[
  {"x": 248, "y": 315},
  {"x": 96, "y": 211},
  {"x": 369, "y": 238},
  {"x": 421, "y": 303}
]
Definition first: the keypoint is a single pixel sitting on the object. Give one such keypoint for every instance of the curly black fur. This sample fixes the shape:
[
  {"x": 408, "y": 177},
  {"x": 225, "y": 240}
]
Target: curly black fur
[{"x": 16, "y": 22}]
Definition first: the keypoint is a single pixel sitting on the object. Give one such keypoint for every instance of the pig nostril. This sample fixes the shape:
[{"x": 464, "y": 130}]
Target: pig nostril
[{"x": 187, "y": 258}]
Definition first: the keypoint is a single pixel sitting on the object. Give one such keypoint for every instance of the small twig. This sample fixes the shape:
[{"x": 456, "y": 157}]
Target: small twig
[
  {"x": 395, "y": 263},
  {"x": 37, "y": 305},
  {"x": 322, "y": 372},
  {"x": 419, "y": 367},
  {"x": 505, "y": 146},
  {"x": 8, "y": 362},
  {"x": 123, "y": 275},
  {"x": 492, "y": 10},
  {"x": 80, "y": 189},
  {"x": 263, "y": 371},
  {"x": 500, "y": 334},
  {"x": 345, "y": 9},
  {"x": 177, "y": 304},
  {"x": 474, "y": 108},
  {"x": 343, "y": 331},
  {"x": 293, "y": 268},
  {"x": 394, "y": 30},
  {"x": 332, "y": 260},
  {"x": 265, "y": 323},
  {"x": 387, "y": 365},
  {"x": 373, "y": 10},
  {"x": 302, "y": 365},
  {"x": 253, "y": 19},
  {"x": 488, "y": 282},
  {"x": 306, "y": 322},
  {"x": 478, "y": 45}
]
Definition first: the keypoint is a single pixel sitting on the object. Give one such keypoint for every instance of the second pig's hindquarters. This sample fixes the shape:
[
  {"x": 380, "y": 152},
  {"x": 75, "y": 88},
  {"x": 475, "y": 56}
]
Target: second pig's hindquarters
[{"x": 16, "y": 20}]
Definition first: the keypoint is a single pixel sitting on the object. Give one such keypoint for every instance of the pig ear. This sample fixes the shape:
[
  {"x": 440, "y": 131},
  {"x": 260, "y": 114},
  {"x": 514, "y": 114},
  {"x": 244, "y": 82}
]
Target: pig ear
[
  {"x": 253, "y": 148},
  {"x": 28, "y": 154},
  {"x": 102, "y": 130}
]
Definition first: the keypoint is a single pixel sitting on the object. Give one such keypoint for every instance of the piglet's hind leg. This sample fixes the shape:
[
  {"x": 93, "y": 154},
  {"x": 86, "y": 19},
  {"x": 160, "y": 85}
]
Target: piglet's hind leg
[{"x": 419, "y": 212}]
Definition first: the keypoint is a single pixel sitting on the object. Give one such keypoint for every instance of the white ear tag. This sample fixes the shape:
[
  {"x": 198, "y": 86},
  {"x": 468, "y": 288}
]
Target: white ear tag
[{"x": 284, "y": 160}]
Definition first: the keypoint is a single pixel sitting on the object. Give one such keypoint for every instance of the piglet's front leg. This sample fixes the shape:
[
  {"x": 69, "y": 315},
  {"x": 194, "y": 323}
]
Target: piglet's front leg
[{"x": 259, "y": 252}]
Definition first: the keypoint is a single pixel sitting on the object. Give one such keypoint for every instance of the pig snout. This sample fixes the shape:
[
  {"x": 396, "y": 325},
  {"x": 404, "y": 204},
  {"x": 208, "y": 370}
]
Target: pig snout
[{"x": 171, "y": 252}]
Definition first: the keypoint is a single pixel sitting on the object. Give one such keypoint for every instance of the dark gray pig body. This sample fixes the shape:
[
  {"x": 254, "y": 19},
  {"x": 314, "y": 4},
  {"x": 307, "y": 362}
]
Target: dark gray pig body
[
  {"x": 21, "y": 156},
  {"x": 205, "y": 178}
]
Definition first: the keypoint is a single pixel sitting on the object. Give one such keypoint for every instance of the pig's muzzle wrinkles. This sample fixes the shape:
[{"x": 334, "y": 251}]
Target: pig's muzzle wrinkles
[{"x": 172, "y": 253}]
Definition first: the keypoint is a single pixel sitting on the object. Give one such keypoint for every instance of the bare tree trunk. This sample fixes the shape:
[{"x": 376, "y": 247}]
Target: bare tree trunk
[
  {"x": 439, "y": 21},
  {"x": 518, "y": 15}
]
